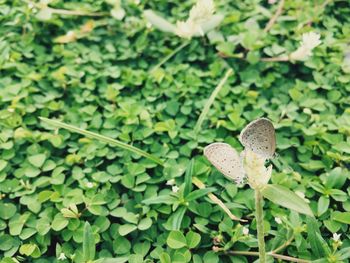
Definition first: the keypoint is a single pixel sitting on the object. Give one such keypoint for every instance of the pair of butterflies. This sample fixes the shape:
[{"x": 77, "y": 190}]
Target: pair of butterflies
[{"x": 258, "y": 137}]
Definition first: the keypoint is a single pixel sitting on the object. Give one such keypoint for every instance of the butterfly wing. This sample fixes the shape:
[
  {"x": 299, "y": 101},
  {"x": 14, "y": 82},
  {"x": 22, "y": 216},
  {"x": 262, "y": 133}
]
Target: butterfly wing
[
  {"x": 226, "y": 160},
  {"x": 259, "y": 137}
]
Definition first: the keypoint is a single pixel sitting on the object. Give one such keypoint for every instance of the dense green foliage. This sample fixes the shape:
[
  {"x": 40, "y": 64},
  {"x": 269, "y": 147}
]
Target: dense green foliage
[{"x": 54, "y": 181}]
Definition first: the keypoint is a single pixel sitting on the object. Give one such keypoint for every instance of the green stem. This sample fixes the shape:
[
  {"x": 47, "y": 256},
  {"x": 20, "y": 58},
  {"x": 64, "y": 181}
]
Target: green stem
[
  {"x": 169, "y": 56},
  {"x": 260, "y": 225},
  {"x": 283, "y": 257},
  {"x": 211, "y": 100},
  {"x": 102, "y": 138}
]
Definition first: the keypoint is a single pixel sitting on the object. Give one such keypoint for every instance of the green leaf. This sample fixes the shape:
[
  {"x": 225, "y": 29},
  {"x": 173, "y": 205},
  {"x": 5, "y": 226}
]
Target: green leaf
[
  {"x": 165, "y": 258},
  {"x": 3, "y": 164},
  {"x": 37, "y": 160},
  {"x": 159, "y": 22},
  {"x": 193, "y": 239},
  {"x": 30, "y": 250},
  {"x": 176, "y": 218},
  {"x": 284, "y": 197},
  {"x": 162, "y": 199},
  {"x": 188, "y": 177},
  {"x": 343, "y": 217},
  {"x": 6, "y": 242},
  {"x": 102, "y": 138},
  {"x": 144, "y": 223},
  {"x": 315, "y": 239},
  {"x": 7, "y": 210},
  {"x": 199, "y": 193},
  {"x": 59, "y": 222},
  {"x": 176, "y": 240},
  {"x": 322, "y": 205},
  {"x": 89, "y": 248},
  {"x": 126, "y": 229}
]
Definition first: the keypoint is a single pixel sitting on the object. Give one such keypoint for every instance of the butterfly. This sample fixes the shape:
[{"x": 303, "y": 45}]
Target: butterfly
[{"x": 258, "y": 136}]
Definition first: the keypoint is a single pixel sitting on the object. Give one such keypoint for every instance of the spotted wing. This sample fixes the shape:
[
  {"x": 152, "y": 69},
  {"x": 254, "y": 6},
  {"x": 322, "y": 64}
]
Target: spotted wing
[
  {"x": 259, "y": 137},
  {"x": 226, "y": 160}
]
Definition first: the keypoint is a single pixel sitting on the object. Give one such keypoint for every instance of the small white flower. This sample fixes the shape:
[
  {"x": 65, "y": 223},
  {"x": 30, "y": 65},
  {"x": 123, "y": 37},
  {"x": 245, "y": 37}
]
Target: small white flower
[
  {"x": 278, "y": 220},
  {"x": 187, "y": 29},
  {"x": 175, "y": 189},
  {"x": 254, "y": 166},
  {"x": 62, "y": 256},
  {"x": 308, "y": 43},
  {"x": 245, "y": 231},
  {"x": 11, "y": 110},
  {"x": 170, "y": 182},
  {"x": 89, "y": 185},
  {"x": 336, "y": 237},
  {"x": 202, "y": 11}
]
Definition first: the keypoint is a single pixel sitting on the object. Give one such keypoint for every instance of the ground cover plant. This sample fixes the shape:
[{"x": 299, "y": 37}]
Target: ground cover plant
[{"x": 107, "y": 106}]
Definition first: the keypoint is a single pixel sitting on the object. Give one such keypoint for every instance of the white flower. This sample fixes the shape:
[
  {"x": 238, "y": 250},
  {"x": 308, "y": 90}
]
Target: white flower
[
  {"x": 254, "y": 166},
  {"x": 202, "y": 11},
  {"x": 336, "y": 237},
  {"x": 62, "y": 256},
  {"x": 170, "y": 182},
  {"x": 187, "y": 29},
  {"x": 278, "y": 220},
  {"x": 308, "y": 43},
  {"x": 89, "y": 185},
  {"x": 245, "y": 231},
  {"x": 175, "y": 188}
]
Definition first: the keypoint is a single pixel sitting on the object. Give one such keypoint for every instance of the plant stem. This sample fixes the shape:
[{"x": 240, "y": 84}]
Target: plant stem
[
  {"x": 283, "y": 257},
  {"x": 169, "y": 56},
  {"x": 211, "y": 100},
  {"x": 284, "y": 245},
  {"x": 260, "y": 225},
  {"x": 216, "y": 200},
  {"x": 275, "y": 16}
]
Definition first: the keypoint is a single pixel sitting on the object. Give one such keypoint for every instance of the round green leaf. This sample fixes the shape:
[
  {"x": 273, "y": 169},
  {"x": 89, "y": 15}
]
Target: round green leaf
[
  {"x": 192, "y": 239},
  {"x": 176, "y": 240},
  {"x": 7, "y": 210},
  {"x": 37, "y": 160}
]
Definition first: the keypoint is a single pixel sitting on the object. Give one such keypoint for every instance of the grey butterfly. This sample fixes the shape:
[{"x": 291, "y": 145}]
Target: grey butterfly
[
  {"x": 226, "y": 160},
  {"x": 259, "y": 137}
]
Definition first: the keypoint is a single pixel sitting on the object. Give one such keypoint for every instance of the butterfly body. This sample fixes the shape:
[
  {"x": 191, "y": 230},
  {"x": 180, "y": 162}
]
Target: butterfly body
[{"x": 258, "y": 138}]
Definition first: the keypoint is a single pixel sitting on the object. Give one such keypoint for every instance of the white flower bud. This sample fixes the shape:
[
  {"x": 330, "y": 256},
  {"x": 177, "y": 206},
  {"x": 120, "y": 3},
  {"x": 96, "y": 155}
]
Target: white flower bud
[
  {"x": 62, "y": 256},
  {"x": 308, "y": 43},
  {"x": 336, "y": 237},
  {"x": 202, "y": 11},
  {"x": 170, "y": 182},
  {"x": 175, "y": 189},
  {"x": 278, "y": 220},
  {"x": 254, "y": 166},
  {"x": 245, "y": 231}
]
